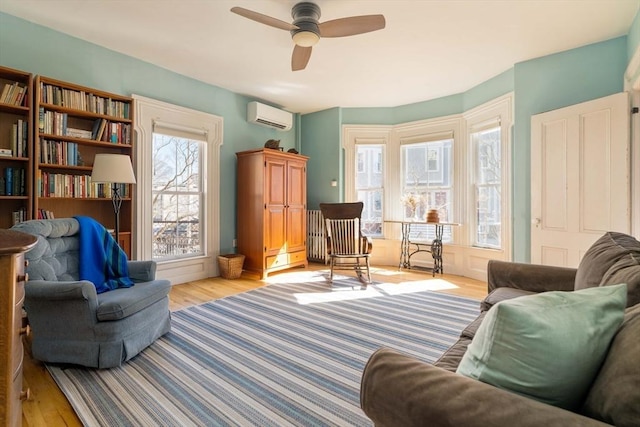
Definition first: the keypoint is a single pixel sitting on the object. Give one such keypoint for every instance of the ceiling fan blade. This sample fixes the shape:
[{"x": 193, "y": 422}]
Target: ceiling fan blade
[
  {"x": 264, "y": 19},
  {"x": 300, "y": 57},
  {"x": 351, "y": 26}
]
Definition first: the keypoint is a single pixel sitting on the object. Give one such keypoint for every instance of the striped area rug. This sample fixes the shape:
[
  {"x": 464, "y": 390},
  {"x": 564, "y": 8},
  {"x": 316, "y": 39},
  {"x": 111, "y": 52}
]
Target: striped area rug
[{"x": 288, "y": 354}]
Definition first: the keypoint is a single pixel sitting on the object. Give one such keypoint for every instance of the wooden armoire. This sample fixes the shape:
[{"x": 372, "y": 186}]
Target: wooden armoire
[{"x": 271, "y": 210}]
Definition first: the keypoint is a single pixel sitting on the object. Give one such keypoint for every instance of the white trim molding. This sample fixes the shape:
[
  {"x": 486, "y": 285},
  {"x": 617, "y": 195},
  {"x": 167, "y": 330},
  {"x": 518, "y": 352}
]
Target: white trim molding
[{"x": 148, "y": 113}]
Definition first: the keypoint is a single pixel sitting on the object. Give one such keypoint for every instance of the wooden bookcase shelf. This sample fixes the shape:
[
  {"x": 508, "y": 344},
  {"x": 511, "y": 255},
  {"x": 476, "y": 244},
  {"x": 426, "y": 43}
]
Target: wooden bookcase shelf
[
  {"x": 72, "y": 124},
  {"x": 16, "y": 141}
]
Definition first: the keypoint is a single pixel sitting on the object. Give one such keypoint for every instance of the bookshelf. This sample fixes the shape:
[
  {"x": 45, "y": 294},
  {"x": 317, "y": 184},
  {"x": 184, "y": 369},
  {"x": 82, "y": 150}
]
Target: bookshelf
[
  {"x": 16, "y": 136},
  {"x": 72, "y": 124}
]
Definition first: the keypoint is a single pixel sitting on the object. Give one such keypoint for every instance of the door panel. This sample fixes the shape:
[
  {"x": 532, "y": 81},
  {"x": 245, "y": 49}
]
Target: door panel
[
  {"x": 275, "y": 207},
  {"x": 554, "y": 180},
  {"x": 274, "y": 231},
  {"x": 276, "y": 182},
  {"x": 580, "y": 184},
  {"x": 296, "y": 207}
]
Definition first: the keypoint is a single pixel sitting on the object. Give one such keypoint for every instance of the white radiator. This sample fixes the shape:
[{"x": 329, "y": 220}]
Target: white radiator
[{"x": 316, "y": 242}]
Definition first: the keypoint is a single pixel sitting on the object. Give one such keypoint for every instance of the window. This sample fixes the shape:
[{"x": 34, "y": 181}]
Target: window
[
  {"x": 178, "y": 191},
  {"x": 427, "y": 183},
  {"x": 486, "y": 149},
  {"x": 370, "y": 186},
  {"x": 488, "y": 199},
  {"x": 177, "y": 196}
]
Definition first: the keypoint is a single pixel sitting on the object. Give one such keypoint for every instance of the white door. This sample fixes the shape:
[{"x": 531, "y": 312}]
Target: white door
[{"x": 580, "y": 178}]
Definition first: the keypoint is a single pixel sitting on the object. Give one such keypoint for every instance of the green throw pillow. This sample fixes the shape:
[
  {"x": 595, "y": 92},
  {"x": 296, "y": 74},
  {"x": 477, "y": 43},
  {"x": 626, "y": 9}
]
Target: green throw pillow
[{"x": 547, "y": 346}]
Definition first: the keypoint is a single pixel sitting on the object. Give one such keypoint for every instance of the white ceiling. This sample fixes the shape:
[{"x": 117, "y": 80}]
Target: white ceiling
[{"x": 429, "y": 48}]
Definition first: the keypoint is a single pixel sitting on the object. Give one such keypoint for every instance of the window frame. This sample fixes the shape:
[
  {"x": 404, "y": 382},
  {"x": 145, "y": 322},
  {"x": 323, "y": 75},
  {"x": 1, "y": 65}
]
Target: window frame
[
  {"x": 365, "y": 135},
  {"x": 496, "y": 113},
  {"x": 476, "y": 185},
  {"x": 149, "y": 113}
]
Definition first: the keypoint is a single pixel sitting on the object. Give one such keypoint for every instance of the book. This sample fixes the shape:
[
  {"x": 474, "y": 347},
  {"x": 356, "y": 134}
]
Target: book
[
  {"x": 14, "y": 139},
  {"x": 79, "y": 133},
  {"x": 18, "y": 141},
  {"x": 8, "y": 182}
]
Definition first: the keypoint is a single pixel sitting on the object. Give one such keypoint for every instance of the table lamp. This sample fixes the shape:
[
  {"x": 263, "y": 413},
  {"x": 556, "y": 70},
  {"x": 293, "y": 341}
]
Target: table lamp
[{"x": 116, "y": 169}]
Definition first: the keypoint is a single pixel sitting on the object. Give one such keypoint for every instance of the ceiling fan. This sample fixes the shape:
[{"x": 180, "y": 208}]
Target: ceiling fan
[{"x": 306, "y": 31}]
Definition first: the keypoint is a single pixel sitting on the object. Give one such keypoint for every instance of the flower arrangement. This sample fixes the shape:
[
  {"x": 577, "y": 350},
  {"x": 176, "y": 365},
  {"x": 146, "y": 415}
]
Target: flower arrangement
[{"x": 412, "y": 201}]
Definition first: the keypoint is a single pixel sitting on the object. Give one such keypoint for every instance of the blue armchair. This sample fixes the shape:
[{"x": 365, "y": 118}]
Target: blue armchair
[{"x": 73, "y": 324}]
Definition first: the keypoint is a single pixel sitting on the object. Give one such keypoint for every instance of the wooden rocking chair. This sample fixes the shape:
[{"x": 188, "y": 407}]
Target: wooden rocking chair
[{"x": 347, "y": 247}]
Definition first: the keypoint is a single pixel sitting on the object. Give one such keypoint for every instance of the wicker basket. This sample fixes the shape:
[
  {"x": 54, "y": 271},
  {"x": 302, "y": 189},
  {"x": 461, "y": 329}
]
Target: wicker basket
[{"x": 230, "y": 265}]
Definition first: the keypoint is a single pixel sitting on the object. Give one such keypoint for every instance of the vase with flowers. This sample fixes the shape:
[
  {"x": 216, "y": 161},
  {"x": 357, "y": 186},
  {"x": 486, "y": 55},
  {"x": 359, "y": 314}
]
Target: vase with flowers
[{"x": 411, "y": 202}]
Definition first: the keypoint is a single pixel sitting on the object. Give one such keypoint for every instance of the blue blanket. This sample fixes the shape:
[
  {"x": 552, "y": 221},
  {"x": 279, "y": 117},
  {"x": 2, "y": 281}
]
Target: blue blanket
[{"x": 102, "y": 261}]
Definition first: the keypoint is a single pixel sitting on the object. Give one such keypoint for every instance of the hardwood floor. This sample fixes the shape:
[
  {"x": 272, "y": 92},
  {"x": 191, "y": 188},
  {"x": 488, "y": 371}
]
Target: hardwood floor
[{"x": 48, "y": 407}]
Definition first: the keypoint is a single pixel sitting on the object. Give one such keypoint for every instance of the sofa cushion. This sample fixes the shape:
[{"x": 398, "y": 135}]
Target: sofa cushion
[
  {"x": 451, "y": 358},
  {"x": 548, "y": 346},
  {"x": 472, "y": 328},
  {"x": 123, "y": 302},
  {"x": 602, "y": 255},
  {"x": 502, "y": 294},
  {"x": 615, "y": 394},
  {"x": 625, "y": 270}
]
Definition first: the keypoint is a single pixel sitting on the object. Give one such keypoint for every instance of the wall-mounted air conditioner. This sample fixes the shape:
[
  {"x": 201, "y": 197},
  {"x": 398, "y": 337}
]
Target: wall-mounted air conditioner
[{"x": 265, "y": 115}]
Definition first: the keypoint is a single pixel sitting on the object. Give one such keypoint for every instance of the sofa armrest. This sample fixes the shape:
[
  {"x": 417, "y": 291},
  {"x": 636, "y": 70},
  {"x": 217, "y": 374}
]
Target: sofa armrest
[
  {"x": 397, "y": 390},
  {"x": 529, "y": 277},
  {"x": 142, "y": 271}
]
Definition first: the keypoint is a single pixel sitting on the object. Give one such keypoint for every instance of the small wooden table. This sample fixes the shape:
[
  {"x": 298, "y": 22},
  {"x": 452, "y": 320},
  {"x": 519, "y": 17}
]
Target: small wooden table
[{"x": 434, "y": 248}]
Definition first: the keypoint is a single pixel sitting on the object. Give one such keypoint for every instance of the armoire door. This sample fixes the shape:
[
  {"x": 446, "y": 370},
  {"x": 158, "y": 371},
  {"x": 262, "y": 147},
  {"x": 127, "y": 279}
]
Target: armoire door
[
  {"x": 275, "y": 222},
  {"x": 296, "y": 206}
]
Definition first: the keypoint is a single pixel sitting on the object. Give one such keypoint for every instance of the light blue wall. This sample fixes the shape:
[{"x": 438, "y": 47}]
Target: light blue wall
[
  {"x": 321, "y": 142},
  {"x": 488, "y": 90},
  {"x": 39, "y": 50}
]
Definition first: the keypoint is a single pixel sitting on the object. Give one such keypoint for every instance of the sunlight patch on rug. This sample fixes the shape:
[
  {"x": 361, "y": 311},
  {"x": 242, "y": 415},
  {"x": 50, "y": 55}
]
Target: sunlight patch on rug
[
  {"x": 352, "y": 290},
  {"x": 416, "y": 286}
]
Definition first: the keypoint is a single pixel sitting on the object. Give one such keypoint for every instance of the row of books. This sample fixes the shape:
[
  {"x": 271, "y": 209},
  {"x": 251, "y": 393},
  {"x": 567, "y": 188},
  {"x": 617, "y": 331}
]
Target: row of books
[
  {"x": 55, "y": 123},
  {"x": 13, "y": 182},
  {"x": 118, "y": 133},
  {"x": 76, "y": 186},
  {"x": 19, "y": 216},
  {"x": 20, "y": 138},
  {"x": 60, "y": 153},
  {"x": 14, "y": 94},
  {"x": 45, "y": 214},
  {"x": 80, "y": 100}
]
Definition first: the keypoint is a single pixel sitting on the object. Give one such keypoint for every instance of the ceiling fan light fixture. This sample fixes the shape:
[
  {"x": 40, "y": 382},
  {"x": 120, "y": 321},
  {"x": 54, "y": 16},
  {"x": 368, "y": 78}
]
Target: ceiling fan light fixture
[{"x": 306, "y": 38}]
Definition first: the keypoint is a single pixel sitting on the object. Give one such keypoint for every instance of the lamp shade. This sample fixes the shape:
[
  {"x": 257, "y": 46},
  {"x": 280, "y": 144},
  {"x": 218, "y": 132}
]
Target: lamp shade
[{"x": 114, "y": 168}]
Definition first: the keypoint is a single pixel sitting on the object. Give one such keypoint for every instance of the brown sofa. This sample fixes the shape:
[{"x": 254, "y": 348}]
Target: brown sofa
[{"x": 398, "y": 390}]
